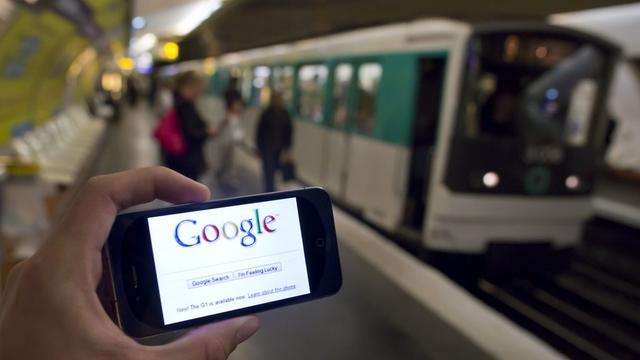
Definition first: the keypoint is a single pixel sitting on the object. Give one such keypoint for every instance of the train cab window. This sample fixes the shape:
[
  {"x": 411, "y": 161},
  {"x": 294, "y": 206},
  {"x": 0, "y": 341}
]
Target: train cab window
[
  {"x": 261, "y": 90},
  {"x": 536, "y": 88},
  {"x": 369, "y": 75},
  {"x": 311, "y": 84},
  {"x": 283, "y": 82},
  {"x": 341, "y": 87}
]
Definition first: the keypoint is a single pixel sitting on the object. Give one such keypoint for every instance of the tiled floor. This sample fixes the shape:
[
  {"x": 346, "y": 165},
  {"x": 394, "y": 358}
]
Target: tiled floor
[{"x": 345, "y": 326}]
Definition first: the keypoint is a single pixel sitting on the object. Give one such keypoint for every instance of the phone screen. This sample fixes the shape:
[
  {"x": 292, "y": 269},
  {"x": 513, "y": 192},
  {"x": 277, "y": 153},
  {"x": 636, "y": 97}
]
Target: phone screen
[{"x": 217, "y": 260}]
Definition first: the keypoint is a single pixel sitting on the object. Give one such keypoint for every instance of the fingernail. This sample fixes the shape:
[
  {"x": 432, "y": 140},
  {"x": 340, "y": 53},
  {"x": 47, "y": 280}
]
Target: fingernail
[{"x": 248, "y": 328}]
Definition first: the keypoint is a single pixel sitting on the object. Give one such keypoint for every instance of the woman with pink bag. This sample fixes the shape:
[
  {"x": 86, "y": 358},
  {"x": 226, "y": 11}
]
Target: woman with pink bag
[{"x": 182, "y": 132}]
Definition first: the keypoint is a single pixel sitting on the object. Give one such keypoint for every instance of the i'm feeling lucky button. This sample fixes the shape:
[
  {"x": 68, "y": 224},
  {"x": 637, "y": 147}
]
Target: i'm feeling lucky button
[{"x": 234, "y": 275}]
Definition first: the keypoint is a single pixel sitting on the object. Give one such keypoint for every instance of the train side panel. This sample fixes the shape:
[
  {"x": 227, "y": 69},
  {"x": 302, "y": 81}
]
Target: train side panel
[
  {"x": 309, "y": 151},
  {"x": 338, "y": 154},
  {"x": 376, "y": 181}
]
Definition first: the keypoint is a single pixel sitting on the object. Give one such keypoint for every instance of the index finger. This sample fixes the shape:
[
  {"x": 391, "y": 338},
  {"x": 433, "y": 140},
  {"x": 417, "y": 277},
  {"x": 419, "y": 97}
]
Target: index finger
[{"x": 90, "y": 218}]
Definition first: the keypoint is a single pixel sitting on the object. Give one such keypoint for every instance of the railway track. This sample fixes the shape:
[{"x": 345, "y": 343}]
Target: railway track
[{"x": 589, "y": 310}]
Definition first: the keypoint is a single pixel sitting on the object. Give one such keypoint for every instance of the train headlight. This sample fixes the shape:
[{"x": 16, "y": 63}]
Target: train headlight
[
  {"x": 490, "y": 179},
  {"x": 572, "y": 182}
]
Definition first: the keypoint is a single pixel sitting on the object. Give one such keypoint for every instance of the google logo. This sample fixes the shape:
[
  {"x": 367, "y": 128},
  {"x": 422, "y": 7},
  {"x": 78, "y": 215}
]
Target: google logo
[{"x": 229, "y": 230}]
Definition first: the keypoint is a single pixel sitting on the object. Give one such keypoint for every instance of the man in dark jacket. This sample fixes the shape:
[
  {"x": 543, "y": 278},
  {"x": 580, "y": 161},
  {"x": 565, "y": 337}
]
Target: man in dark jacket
[{"x": 274, "y": 138}]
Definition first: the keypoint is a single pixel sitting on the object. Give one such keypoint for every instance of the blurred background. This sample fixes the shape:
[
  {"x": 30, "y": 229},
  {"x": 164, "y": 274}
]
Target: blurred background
[{"x": 483, "y": 157}]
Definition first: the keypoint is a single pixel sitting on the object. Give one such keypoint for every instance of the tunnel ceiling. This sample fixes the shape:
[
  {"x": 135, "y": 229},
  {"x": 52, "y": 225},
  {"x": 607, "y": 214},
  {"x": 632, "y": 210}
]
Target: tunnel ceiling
[{"x": 245, "y": 24}]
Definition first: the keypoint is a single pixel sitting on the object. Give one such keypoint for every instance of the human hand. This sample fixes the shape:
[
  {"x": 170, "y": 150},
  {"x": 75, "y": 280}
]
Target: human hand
[{"x": 50, "y": 309}]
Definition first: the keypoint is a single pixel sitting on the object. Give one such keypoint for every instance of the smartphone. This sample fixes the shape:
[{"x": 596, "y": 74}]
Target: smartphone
[{"x": 187, "y": 265}]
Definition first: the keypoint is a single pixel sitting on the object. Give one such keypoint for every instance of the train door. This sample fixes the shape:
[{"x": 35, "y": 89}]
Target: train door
[
  {"x": 341, "y": 120},
  {"x": 367, "y": 183},
  {"x": 310, "y": 131},
  {"x": 425, "y": 128}
]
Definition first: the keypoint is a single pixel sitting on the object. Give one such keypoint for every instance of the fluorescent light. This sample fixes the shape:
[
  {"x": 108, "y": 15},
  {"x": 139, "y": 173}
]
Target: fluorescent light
[{"x": 197, "y": 13}]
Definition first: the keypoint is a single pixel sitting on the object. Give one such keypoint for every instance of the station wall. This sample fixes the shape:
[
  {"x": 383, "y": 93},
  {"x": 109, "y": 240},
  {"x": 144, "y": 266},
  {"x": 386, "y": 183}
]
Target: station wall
[{"x": 40, "y": 53}]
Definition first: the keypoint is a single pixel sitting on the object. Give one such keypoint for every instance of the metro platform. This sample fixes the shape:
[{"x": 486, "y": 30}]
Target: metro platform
[{"x": 391, "y": 306}]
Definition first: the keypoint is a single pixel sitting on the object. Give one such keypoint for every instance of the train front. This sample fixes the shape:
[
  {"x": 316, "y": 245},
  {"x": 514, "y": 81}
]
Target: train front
[{"x": 530, "y": 132}]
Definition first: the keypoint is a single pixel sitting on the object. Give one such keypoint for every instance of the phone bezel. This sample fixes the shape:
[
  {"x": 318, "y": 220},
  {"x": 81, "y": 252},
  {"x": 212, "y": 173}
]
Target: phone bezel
[{"x": 142, "y": 317}]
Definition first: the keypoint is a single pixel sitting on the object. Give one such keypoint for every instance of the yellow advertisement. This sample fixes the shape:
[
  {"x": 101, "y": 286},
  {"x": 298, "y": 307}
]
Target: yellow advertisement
[{"x": 36, "y": 52}]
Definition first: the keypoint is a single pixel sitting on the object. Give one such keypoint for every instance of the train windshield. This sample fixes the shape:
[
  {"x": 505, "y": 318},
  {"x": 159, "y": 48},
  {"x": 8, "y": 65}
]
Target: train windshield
[{"x": 535, "y": 88}]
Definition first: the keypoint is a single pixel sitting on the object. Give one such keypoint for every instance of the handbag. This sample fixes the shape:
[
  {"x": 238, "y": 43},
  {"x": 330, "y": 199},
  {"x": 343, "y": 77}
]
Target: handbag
[{"x": 169, "y": 134}]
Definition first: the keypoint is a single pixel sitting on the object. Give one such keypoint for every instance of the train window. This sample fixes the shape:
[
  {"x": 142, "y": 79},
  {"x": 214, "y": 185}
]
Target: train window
[
  {"x": 311, "y": 82},
  {"x": 368, "y": 81},
  {"x": 537, "y": 88},
  {"x": 261, "y": 91},
  {"x": 283, "y": 82},
  {"x": 341, "y": 87}
]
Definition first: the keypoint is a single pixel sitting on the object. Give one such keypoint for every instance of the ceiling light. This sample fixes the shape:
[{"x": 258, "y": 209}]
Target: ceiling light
[
  {"x": 138, "y": 22},
  {"x": 143, "y": 44},
  {"x": 170, "y": 50},
  {"x": 126, "y": 64},
  {"x": 198, "y": 13}
]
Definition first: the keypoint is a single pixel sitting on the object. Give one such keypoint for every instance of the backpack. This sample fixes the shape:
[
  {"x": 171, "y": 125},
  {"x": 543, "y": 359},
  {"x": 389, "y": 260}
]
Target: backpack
[{"x": 169, "y": 134}]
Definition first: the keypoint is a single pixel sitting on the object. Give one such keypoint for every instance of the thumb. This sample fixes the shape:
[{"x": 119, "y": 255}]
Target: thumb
[{"x": 211, "y": 342}]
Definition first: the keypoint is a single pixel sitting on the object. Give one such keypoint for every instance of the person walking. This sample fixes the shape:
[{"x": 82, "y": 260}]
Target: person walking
[{"x": 273, "y": 138}]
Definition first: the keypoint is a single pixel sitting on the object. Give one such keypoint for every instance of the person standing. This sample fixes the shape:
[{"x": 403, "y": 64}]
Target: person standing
[
  {"x": 132, "y": 90},
  {"x": 230, "y": 133},
  {"x": 273, "y": 138},
  {"x": 194, "y": 129},
  {"x": 153, "y": 88},
  {"x": 232, "y": 93}
]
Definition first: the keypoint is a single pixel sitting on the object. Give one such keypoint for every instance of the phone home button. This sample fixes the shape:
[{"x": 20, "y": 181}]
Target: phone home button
[{"x": 320, "y": 242}]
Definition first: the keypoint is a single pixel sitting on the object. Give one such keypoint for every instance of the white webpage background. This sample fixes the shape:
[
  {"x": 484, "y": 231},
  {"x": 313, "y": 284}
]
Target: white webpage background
[{"x": 176, "y": 264}]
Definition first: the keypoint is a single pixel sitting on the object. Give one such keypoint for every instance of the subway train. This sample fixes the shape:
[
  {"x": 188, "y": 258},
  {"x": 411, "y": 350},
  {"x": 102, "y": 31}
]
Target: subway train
[{"x": 457, "y": 138}]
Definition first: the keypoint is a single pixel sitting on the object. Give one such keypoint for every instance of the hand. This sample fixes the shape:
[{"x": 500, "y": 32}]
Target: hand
[{"x": 50, "y": 309}]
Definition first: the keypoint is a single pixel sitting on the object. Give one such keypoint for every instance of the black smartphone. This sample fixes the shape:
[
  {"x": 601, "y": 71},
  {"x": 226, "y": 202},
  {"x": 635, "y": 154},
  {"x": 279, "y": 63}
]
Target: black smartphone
[{"x": 187, "y": 265}]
